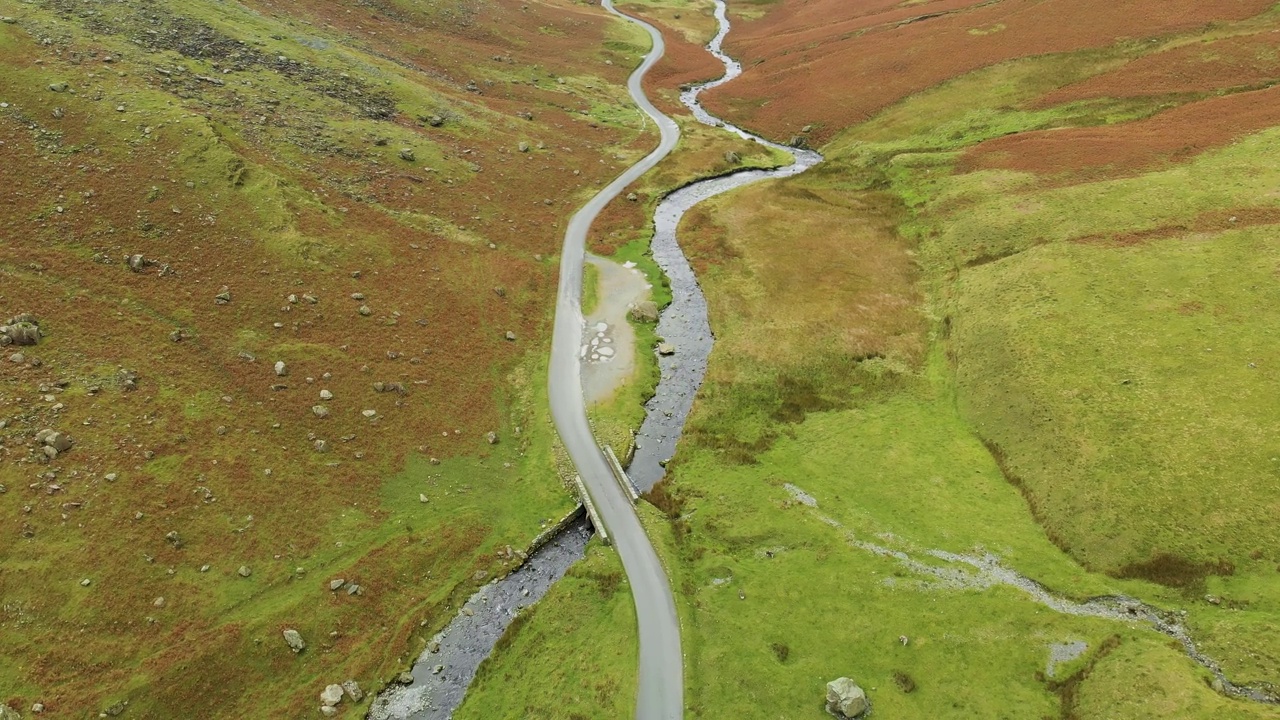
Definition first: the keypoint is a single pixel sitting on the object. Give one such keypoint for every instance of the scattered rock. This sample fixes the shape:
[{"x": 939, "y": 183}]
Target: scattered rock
[
  {"x": 332, "y": 695},
  {"x": 326, "y": 395},
  {"x": 644, "y": 312},
  {"x": 511, "y": 336},
  {"x": 18, "y": 358},
  {"x": 632, "y": 197},
  {"x": 369, "y": 413},
  {"x": 352, "y": 688},
  {"x": 492, "y": 437},
  {"x": 845, "y": 699},
  {"x": 524, "y": 147},
  {"x": 365, "y": 311},
  {"x": 327, "y": 711},
  {"x": 433, "y": 646},
  {"x": 405, "y": 678},
  {"x": 407, "y": 155},
  {"x": 294, "y": 639},
  {"x": 336, "y": 584},
  {"x": 320, "y": 411},
  {"x": 244, "y": 571},
  {"x": 137, "y": 262},
  {"x": 58, "y": 87},
  {"x": 435, "y": 121},
  {"x": 223, "y": 297},
  {"x": 437, "y": 670},
  {"x": 320, "y": 446},
  {"x": 423, "y": 498},
  {"x": 666, "y": 348},
  {"x": 281, "y": 369}
]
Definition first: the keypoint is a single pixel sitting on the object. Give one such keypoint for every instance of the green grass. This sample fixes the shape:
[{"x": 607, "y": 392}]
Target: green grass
[{"x": 590, "y": 288}]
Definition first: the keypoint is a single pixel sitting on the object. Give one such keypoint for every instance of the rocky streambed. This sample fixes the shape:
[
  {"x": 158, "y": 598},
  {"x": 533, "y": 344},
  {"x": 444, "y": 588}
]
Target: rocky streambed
[{"x": 683, "y": 325}]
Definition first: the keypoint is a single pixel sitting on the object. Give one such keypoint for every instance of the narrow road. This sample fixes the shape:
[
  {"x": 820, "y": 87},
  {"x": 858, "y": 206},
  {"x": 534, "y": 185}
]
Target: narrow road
[{"x": 661, "y": 692}]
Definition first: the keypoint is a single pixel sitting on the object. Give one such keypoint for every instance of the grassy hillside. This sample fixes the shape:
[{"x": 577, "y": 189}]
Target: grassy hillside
[
  {"x": 370, "y": 194},
  {"x": 1020, "y": 315}
]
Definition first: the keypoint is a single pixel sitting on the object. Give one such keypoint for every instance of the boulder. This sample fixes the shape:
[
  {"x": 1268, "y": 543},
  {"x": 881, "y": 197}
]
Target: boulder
[
  {"x": 352, "y": 688},
  {"x": 845, "y": 699},
  {"x": 644, "y": 312},
  {"x": 58, "y": 441},
  {"x": 294, "y": 639},
  {"x": 332, "y": 695},
  {"x": 280, "y": 368},
  {"x": 666, "y": 348},
  {"x": 8, "y": 713}
]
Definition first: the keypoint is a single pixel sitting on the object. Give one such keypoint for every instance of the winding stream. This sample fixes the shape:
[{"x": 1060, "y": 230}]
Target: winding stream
[
  {"x": 441, "y": 675},
  {"x": 684, "y": 322}
]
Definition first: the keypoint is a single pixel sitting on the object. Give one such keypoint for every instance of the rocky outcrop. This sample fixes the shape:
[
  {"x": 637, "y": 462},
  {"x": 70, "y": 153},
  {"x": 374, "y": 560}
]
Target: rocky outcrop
[{"x": 21, "y": 329}]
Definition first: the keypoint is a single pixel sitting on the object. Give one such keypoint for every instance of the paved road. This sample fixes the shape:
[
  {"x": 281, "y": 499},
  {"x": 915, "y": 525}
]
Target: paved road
[{"x": 661, "y": 694}]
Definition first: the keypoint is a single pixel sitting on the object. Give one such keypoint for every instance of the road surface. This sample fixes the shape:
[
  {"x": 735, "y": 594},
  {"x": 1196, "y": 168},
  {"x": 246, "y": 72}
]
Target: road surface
[{"x": 661, "y": 691}]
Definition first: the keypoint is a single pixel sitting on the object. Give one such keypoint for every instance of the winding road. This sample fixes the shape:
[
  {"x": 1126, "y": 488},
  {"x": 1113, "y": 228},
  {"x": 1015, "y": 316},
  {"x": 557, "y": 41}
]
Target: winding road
[{"x": 661, "y": 691}]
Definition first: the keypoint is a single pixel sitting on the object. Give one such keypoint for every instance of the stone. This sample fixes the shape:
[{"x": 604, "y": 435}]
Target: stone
[
  {"x": 294, "y": 640},
  {"x": 422, "y": 498},
  {"x": 58, "y": 87},
  {"x": 18, "y": 358},
  {"x": 524, "y": 147},
  {"x": 59, "y": 441},
  {"x": 6, "y": 712},
  {"x": 281, "y": 369},
  {"x": 492, "y": 437},
  {"x": 332, "y": 695},
  {"x": 732, "y": 157},
  {"x": 352, "y": 688},
  {"x": 405, "y": 678},
  {"x": 437, "y": 670},
  {"x": 49, "y": 452},
  {"x": 223, "y": 297},
  {"x": 369, "y": 413},
  {"x": 320, "y": 446},
  {"x": 37, "y": 707},
  {"x": 644, "y": 312},
  {"x": 244, "y": 571},
  {"x": 365, "y": 311},
  {"x": 666, "y": 348},
  {"x": 158, "y": 602},
  {"x": 110, "y": 477},
  {"x": 357, "y": 296},
  {"x": 433, "y": 646},
  {"x": 511, "y": 336},
  {"x": 632, "y": 197},
  {"x": 137, "y": 262},
  {"x": 845, "y": 699},
  {"x": 326, "y": 395},
  {"x": 337, "y": 583},
  {"x": 407, "y": 155},
  {"x": 86, "y": 582},
  {"x": 320, "y": 411},
  {"x": 117, "y": 709},
  {"x": 327, "y": 711}
]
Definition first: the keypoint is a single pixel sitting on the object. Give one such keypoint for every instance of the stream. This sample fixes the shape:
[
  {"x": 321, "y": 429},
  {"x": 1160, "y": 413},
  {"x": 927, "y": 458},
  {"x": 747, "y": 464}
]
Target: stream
[
  {"x": 440, "y": 676},
  {"x": 683, "y": 323}
]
